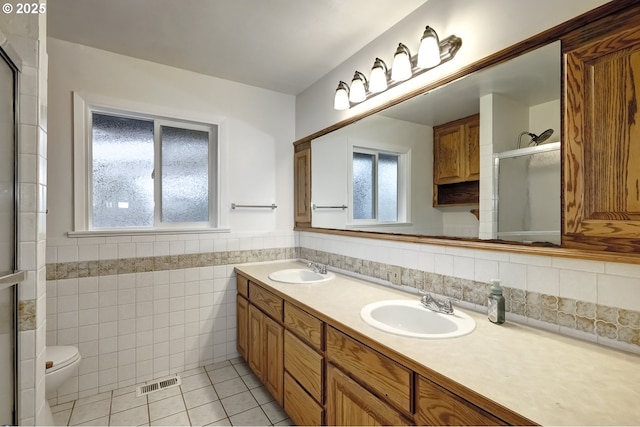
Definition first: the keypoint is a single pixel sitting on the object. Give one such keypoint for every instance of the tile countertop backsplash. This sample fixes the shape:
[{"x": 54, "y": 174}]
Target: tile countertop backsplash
[{"x": 548, "y": 378}]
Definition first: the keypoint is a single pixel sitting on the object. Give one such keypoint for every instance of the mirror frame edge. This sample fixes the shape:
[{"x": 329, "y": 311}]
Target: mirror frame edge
[{"x": 557, "y": 33}]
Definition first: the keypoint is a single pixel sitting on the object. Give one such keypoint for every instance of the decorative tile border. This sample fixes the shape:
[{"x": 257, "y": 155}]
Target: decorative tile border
[
  {"x": 601, "y": 321},
  {"x": 27, "y": 315}
]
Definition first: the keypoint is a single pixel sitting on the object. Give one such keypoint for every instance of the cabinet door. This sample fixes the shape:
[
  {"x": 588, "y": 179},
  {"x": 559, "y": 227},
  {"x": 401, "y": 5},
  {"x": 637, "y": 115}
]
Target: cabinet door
[
  {"x": 439, "y": 407},
  {"x": 472, "y": 138},
  {"x": 273, "y": 368},
  {"x": 242, "y": 326},
  {"x": 602, "y": 136},
  {"x": 449, "y": 154},
  {"x": 349, "y": 404},
  {"x": 255, "y": 341},
  {"x": 302, "y": 182}
]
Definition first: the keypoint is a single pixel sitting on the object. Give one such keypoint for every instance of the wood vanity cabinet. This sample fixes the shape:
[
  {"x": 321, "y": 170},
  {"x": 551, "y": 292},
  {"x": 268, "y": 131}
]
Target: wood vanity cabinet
[
  {"x": 602, "y": 135},
  {"x": 456, "y": 162}
]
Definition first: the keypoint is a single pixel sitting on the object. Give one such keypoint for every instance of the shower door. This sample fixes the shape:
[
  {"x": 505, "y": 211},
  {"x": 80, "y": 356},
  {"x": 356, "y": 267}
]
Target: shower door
[{"x": 8, "y": 237}]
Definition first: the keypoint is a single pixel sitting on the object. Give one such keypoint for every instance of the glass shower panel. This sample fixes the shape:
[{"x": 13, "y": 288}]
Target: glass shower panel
[
  {"x": 122, "y": 172},
  {"x": 185, "y": 175},
  {"x": 7, "y": 241}
]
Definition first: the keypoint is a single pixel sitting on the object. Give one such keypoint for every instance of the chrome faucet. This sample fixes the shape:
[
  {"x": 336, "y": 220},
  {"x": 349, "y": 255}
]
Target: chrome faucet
[
  {"x": 318, "y": 268},
  {"x": 439, "y": 305}
]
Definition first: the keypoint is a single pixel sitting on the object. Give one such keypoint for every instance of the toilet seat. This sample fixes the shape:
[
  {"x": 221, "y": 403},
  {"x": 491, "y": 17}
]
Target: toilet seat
[{"x": 61, "y": 356}]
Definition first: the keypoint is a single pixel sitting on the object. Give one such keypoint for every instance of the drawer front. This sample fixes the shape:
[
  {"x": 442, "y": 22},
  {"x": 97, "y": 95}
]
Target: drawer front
[
  {"x": 268, "y": 302},
  {"x": 303, "y": 410},
  {"x": 242, "y": 283},
  {"x": 304, "y": 325},
  {"x": 381, "y": 374},
  {"x": 304, "y": 364},
  {"x": 439, "y": 407}
]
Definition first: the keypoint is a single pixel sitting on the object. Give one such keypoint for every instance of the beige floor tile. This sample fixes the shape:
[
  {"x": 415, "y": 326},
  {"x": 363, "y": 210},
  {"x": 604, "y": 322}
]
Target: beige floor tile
[
  {"x": 61, "y": 418},
  {"x": 274, "y": 412},
  {"x": 207, "y": 413},
  {"x": 90, "y": 411},
  {"x": 127, "y": 401},
  {"x": 242, "y": 369},
  {"x": 286, "y": 422},
  {"x": 237, "y": 360},
  {"x": 104, "y": 421},
  {"x": 251, "y": 380},
  {"x": 191, "y": 372},
  {"x": 239, "y": 403},
  {"x": 222, "y": 422},
  {"x": 124, "y": 390},
  {"x": 94, "y": 398},
  {"x": 164, "y": 408},
  {"x": 223, "y": 374},
  {"x": 179, "y": 419},
  {"x": 230, "y": 387},
  {"x": 61, "y": 407},
  {"x": 195, "y": 381},
  {"x": 261, "y": 395},
  {"x": 252, "y": 417},
  {"x": 130, "y": 417},
  {"x": 218, "y": 365},
  {"x": 200, "y": 396},
  {"x": 163, "y": 394}
]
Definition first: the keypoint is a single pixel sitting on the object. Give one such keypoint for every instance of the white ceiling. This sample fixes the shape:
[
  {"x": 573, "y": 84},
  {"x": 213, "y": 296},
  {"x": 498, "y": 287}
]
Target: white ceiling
[{"x": 282, "y": 45}]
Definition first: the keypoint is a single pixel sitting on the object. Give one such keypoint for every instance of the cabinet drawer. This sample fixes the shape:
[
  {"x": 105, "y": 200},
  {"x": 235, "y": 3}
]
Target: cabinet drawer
[
  {"x": 303, "y": 410},
  {"x": 440, "y": 407},
  {"x": 304, "y": 325},
  {"x": 242, "y": 283},
  {"x": 381, "y": 374},
  {"x": 304, "y": 364},
  {"x": 268, "y": 302}
]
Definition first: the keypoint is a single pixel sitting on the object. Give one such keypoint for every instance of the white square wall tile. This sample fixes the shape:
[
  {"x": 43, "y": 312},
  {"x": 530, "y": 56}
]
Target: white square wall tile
[
  {"x": 578, "y": 285},
  {"x": 619, "y": 291},
  {"x": 545, "y": 280}
]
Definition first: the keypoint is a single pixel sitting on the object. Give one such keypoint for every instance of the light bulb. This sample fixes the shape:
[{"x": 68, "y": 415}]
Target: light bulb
[
  {"x": 358, "y": 92},
  {"x": 378, "y": 76},
  {"x": 341, "y": 99},
  {"x": 429, "y": 52},
  {"x": 401, "y": 68}
]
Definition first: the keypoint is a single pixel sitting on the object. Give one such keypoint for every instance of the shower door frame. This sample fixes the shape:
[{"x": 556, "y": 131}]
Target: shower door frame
[{"x": 11, "y": 280}]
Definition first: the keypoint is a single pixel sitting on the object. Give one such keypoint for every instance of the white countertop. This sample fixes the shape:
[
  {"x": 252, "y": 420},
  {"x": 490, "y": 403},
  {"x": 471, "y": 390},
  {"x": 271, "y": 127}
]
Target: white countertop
[{"x": 548, "y": 378}]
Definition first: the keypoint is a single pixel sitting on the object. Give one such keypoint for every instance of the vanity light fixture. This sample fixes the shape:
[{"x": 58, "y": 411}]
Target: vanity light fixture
[
  {"x": 358, "y": 92},
  {"x": 378, "y": 76},
  {"x": 401, "y": 68},
  {"x": 341, "y": 100},
  {"x": 431, "y": 53}
]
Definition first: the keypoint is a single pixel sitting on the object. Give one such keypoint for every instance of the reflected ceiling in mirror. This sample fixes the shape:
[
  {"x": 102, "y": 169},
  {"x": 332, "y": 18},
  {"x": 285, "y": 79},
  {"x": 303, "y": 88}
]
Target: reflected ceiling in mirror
[{"x": 353, "y": 184}]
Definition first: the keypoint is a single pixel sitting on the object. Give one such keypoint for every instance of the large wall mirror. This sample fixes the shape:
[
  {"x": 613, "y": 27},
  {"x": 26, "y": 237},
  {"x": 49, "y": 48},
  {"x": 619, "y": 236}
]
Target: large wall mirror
[{"x": 377, "y": 174}]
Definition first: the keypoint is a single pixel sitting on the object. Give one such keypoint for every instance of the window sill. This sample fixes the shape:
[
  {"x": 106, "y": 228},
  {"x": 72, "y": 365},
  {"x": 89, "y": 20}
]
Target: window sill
[{"x": 146, "y": 232}]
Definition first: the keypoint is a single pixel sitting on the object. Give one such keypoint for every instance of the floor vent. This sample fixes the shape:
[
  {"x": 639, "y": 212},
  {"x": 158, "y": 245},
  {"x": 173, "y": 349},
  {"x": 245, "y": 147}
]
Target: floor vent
[{"x": 165, "y": 383}]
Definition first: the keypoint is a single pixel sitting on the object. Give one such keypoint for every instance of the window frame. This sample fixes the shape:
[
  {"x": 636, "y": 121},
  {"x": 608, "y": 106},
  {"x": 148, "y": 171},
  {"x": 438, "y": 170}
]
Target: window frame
[
  {"x": 83, "y": 108},
  {"x": 404, "y": 183}
]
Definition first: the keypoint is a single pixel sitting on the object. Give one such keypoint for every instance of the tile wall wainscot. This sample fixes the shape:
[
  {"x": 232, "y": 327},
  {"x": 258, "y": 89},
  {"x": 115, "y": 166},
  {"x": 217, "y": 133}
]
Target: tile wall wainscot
[
  {"x": 589, "y": 300},
  {"x": 142, "y": 307}
]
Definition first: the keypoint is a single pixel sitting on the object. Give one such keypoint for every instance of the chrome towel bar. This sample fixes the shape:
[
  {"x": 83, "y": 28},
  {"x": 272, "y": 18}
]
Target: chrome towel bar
[
  {"x": 271, "y": 206},
  {"x": 314, "y": 207}
]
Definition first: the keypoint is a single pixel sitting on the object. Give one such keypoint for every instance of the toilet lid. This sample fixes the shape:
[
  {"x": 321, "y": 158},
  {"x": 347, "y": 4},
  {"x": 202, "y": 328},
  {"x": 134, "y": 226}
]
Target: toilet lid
[{"x": 61, "y": 356}]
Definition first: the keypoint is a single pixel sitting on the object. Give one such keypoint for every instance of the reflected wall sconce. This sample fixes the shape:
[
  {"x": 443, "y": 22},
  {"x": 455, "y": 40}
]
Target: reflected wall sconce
[{"x": 431, "y": 53}]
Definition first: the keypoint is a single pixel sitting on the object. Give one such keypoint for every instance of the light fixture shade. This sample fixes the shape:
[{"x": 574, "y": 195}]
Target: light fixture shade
[
  {"x": 429, "y": 52},
  {"x": 401, "y": 68},
  {"x": 341, "y": 99},
  {"x": 358, "y": 91},
  {"x": 378, "y": 76}
]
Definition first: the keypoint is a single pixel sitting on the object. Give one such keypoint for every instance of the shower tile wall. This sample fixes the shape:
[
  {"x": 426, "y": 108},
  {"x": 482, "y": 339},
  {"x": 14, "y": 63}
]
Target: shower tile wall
[{"x": 141, "y": 307}]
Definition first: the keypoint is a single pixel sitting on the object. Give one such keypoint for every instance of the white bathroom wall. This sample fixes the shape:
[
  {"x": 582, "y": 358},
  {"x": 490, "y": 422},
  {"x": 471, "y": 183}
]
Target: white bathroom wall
[{"x": 141, "y": 307}]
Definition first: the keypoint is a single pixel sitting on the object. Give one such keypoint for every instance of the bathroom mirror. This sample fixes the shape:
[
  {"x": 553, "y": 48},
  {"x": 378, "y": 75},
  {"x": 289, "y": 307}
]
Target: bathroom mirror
[{"x": 376, "y": 174}]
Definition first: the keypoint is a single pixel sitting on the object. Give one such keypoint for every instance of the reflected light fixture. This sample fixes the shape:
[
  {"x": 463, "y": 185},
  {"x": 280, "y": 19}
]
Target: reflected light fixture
[
  {"x": 401, "y": 68},
  {"x": 378, "y": 76},
  {"x": 429, "y": 51},
  {"x": 358, "y": 92},
  {"x": 341, "y": 99}
]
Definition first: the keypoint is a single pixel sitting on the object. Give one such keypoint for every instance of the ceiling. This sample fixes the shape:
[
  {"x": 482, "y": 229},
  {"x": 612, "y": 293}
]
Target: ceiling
[{"x": 281, "y": 45}]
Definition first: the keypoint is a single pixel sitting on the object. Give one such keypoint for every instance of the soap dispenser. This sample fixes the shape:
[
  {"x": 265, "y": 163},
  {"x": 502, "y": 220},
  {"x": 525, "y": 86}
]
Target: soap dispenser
[{"x": 495, "y": 303}]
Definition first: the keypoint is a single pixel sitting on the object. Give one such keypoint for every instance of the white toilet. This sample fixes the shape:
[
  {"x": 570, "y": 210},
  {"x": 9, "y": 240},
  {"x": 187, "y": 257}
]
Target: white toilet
[{"x": 62, "y": 362}]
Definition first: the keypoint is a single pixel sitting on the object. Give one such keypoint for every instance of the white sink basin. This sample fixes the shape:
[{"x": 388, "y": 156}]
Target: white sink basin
[
  {"x": 300, "y": 275},
  {"x": 412, "y": 319}
]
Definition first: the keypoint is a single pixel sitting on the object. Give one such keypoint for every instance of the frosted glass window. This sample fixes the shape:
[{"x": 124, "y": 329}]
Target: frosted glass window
[
  {"x": 149, "y": 172},
  {"x": 387, "y": 187},
  {"x": 122, "y": 168},
  {"x": 363, "y": 186},
  {"x": 185, "y": 175}
]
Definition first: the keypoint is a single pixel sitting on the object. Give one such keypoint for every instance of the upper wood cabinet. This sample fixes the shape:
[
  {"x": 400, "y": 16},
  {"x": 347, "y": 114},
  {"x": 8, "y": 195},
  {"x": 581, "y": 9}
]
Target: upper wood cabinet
[
  {"x": 456, "y": 162},
  {"x": 302, "y": 183},
  {"x": 456, "y": 151},
  {"x": 601, "y": 154}
]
